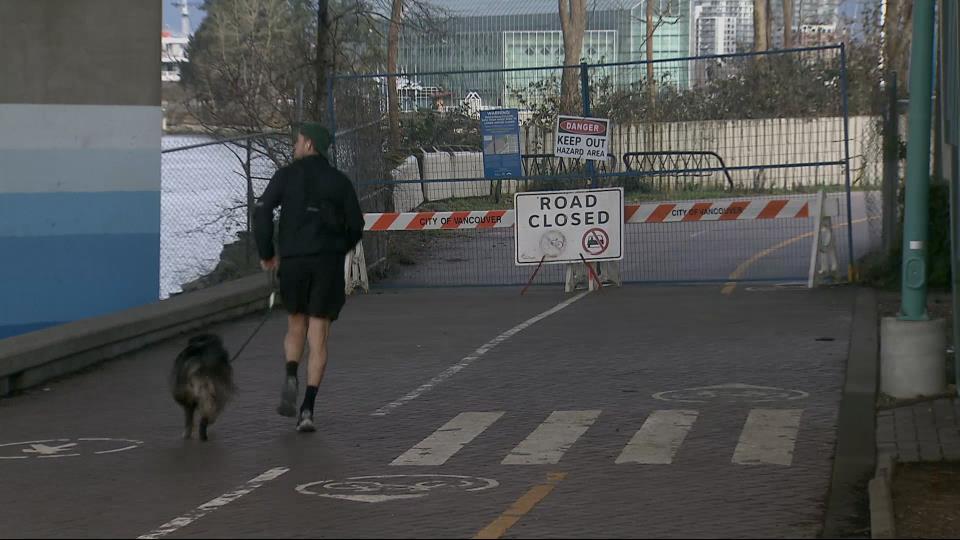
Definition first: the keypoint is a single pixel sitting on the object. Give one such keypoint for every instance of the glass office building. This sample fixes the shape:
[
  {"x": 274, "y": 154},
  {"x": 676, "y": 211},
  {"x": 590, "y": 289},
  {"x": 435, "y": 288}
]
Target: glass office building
[{"x": 509, "y": 34}]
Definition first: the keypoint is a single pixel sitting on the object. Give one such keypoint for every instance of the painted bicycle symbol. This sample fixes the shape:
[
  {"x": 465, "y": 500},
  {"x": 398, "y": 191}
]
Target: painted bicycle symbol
[
  {"x": 731, "y": 392},
  {"x": 375, "y": 489},
  {"x": 61, "y": 448}
]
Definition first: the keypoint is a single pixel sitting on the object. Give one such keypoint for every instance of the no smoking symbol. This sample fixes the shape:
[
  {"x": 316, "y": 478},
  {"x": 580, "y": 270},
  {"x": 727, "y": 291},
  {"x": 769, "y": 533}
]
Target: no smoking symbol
[{"x": 595, "y": 241}]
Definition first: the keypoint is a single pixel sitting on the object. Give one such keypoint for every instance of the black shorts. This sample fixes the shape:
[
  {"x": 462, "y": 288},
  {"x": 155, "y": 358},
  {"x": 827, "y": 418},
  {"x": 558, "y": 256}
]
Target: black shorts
[{"x": 313, "y": 285}]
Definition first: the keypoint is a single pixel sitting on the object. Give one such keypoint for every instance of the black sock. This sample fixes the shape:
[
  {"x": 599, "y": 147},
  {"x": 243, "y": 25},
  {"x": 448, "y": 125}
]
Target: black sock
[
  {"x": 292, "y": 368},
  {"x": 309, "y": 398}
]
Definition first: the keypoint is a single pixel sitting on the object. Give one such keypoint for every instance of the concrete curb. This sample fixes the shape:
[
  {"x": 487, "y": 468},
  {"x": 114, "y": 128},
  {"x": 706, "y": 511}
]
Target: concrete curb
[
  {"x": 31, "y": 359},
  {"x": 856, "y": 449},
  {"x": 882, "y": 519}
]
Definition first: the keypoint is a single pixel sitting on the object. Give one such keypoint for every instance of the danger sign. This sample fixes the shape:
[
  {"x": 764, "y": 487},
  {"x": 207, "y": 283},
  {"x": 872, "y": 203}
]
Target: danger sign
[
  {"x": 582, "y": 138},
  {"x": 568, "y": 226}
]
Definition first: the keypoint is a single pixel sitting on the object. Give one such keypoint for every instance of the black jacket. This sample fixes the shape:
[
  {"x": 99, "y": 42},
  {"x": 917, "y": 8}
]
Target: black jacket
[{"x": 319, "y": 211}]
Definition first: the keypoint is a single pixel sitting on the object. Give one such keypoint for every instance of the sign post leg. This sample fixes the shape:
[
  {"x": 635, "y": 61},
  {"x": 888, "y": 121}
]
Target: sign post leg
[
  {"x": 593, "y": 276},
  {"x": 534, "y": 275}
]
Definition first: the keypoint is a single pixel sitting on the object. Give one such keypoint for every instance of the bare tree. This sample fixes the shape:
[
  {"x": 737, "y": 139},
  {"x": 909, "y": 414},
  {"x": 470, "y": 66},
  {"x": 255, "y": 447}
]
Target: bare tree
[
  {"x": 761, "y": 25},
  {"x": 788, "y": 39},
  {"x": 250, "y": 58},
  {"x": 416, "y": 15},
  {"x": 651, "y": 28},
  {"x": 653, "y": 19},
  {"x": 322, "y": 60},
  {"x": 393, "y": 45},
  {"x": 246, "y": 60},
  {"x": 573, "y": 22},
  {"x": 897, "y": 35}
]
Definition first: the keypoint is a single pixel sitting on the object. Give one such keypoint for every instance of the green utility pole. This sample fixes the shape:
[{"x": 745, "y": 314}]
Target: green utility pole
[
  {"x": 917, "y": 201},
  {"x": 950, "y": 120}
]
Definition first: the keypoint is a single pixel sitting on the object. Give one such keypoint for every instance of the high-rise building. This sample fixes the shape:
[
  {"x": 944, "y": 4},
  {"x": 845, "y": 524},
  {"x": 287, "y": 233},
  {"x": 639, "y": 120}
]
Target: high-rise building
[
  {"x": 715, "y": 35},
  {"x": 511, "y": 34},
  {"x": 734, "y": 16},
  {"x": 815, "y": 22}
]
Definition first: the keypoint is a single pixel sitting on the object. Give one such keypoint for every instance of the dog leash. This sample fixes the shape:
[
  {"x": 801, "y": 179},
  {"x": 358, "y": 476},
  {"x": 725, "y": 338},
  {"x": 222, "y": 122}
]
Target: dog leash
[{"x": 272, "y": 277}]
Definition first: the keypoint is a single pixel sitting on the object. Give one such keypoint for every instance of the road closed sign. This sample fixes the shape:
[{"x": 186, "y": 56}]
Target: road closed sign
[
  {"x": 557, "y": 227},
  {"x": 584, "y": 138}
]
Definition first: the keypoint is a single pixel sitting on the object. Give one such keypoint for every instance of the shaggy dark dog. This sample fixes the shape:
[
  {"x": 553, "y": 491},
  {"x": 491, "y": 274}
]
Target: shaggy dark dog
[{"x": 202, "y": 380}]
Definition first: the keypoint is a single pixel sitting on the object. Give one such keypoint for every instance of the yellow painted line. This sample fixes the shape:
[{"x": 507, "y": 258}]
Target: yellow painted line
[
  {"x": 729, "y": 287},
  {"x": 498, "y": 527}
]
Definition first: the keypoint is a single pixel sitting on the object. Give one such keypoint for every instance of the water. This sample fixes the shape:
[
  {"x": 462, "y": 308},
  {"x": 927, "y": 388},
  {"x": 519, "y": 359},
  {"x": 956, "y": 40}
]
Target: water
[{"x": 203, "y": 193}]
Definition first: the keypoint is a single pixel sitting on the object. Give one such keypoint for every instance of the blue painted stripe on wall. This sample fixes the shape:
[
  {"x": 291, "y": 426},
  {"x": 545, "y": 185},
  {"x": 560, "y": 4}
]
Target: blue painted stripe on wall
[
  {"x": 54, "y": 214},
  {"x": 65, "y": 278},
  {"x": 43, "y": 171},
  {"x": 11, "y": 330}
]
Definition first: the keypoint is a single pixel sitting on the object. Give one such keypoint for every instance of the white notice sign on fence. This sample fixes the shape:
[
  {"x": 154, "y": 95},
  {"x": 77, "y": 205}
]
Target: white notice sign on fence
[{"x": 569, "y": 226}]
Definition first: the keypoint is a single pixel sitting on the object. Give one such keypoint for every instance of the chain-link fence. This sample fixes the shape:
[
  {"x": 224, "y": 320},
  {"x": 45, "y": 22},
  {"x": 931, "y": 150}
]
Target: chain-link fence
[
  {"x": 360, "y": 152},
  {"x": 760, "y": 127},
  {"x": 208, "y": 187}
]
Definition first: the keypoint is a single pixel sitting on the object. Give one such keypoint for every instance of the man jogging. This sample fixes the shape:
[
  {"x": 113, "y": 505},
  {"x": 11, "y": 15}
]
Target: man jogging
[{"x": 320, "y": 222}]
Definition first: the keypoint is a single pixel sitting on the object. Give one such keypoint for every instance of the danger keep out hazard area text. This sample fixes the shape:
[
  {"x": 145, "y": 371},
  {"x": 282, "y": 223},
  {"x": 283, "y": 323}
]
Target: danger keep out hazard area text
[
  {"x": 578, "y": 147},
  {"x": 581, "y": 138}
]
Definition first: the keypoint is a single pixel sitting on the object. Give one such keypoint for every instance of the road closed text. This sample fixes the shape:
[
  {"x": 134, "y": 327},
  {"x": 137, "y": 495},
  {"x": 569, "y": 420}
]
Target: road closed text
[{"x": 567, "y": 210}]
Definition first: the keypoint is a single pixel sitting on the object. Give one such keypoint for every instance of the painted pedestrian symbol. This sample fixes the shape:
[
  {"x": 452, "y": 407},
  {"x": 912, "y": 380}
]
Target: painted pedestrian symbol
[
  {"x": 378, "y": 489},
  {"x": 60, "y": 448},
  {"x": 595, "y": 241}
]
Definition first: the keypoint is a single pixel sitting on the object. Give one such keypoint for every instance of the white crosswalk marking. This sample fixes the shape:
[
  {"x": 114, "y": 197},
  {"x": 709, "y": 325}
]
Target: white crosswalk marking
[
  {"x": 659, "y": 438},
  {"x": 443, "y": 443},
  {"x": 768, "y": 437},
  {"x": 552, "y": 438}
]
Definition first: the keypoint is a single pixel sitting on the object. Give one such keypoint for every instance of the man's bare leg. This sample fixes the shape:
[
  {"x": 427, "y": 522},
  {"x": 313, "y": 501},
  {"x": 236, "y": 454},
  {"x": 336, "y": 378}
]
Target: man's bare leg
[
  {"x": 293, "y": 345},
  {"x": 317, "y": 333}
]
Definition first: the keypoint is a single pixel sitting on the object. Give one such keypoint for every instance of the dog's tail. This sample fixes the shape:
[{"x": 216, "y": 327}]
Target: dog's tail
[{"x": 211, "y": 395}]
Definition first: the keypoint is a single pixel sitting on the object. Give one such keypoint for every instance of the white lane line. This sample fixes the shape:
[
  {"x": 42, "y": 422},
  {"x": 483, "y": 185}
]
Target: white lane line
[
  {"x": 215, "y": 504},
  {"x": 454, "y": 369},
  {"x": 547, "y": 444},
  {"x": 659, "y": 438},
  {"x": 443, "y": 443},
  {"x": 768, "y": 437}
]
